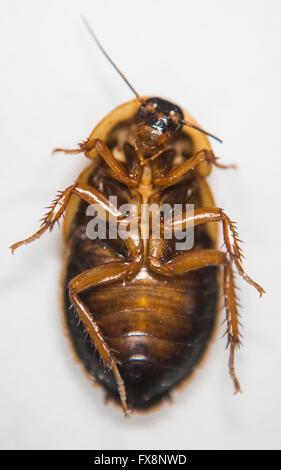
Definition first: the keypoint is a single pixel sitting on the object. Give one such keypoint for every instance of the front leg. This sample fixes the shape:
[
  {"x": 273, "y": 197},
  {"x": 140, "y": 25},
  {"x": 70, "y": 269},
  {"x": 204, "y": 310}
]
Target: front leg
[
  {"x": 57, "y": 208},
  {"x": 174, "y": 175},
  {"x": 131, "y": 179}
]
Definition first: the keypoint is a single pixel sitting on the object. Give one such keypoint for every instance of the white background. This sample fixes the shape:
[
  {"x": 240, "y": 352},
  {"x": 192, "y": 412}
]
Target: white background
[{"x": 221, "y": 61}]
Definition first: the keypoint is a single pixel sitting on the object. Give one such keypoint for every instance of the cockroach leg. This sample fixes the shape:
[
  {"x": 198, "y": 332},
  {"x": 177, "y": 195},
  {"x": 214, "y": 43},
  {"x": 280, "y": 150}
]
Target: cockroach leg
[
  {"x": 186, "y": 262},
  {"x": 174, "y": 175},
  {"x": 197, "y": 259},
  {"x": 99, "y": 276},
  {"x": 57, "y": 208},
  {"x": 232, "y": 319},
  {"x": 230, "y": 236},
  {"x": 70, "y": 151},
  {"x": 222, "y": 166},
  {"x": 102, "y": 149},
  {"x": 93, "y": 277}
]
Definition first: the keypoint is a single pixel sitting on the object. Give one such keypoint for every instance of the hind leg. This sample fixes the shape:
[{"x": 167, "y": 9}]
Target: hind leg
[
  {"x": 93, "y": 277},
  {"x": 198, "y": 259}
]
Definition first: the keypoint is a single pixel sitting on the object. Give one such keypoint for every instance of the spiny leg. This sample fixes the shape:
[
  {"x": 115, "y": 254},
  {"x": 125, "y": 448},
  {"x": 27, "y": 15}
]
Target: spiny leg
[
  {"x": 101, "y": 275},
  {"x": 198, "y": 259},
  {"x": 129, "y": 178},
  {"x": 174, "y": 175},
  {"x": 93, "y": 277},
  {"x": 230, "y": 235},
  {"x": 232, "y": 319},
  {"x": 57, "y": 208},
  {"x": 110, "y": 272}
]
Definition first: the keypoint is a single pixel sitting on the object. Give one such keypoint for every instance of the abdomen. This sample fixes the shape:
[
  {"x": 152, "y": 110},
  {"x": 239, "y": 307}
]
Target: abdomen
[{"x": 158, "y": 328}]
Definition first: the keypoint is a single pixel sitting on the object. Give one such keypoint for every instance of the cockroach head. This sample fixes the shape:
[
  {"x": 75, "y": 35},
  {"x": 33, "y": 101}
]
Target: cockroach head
[{"x": 158, "y": 121}]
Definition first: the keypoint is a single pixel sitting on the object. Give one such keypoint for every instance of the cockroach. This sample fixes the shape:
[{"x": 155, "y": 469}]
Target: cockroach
[{"x": 147, "y": 307}]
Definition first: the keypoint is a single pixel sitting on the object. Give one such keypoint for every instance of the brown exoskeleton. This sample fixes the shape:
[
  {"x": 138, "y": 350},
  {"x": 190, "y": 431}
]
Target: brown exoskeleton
[{"x": 148, "y": 308}]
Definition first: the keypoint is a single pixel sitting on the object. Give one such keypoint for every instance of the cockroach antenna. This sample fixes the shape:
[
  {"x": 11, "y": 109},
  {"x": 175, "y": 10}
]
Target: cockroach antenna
[
  {"x": 139, "y": 98},
  {"x": 91, "y": 31},
  {"x": 189, "y": 124}
]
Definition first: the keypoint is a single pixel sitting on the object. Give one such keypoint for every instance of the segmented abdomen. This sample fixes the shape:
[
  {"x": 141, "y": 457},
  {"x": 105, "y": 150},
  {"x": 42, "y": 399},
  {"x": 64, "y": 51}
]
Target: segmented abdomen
[{"x": 157, "y": 328}]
